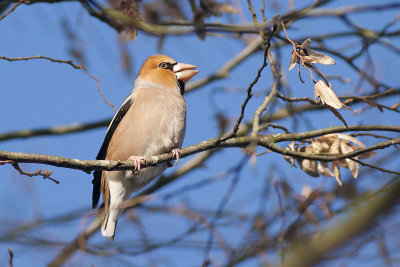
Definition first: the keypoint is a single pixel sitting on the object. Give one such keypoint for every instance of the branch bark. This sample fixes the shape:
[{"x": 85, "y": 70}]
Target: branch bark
[{"x": 267, "y": 141}]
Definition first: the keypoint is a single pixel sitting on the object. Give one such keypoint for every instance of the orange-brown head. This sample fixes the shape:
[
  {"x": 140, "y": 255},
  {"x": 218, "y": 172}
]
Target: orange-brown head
[{"x": 165, "y": 72}]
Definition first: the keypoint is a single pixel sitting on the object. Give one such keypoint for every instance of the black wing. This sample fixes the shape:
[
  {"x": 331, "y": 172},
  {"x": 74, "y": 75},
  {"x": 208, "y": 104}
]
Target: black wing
[{"x": 103, "y": 150}]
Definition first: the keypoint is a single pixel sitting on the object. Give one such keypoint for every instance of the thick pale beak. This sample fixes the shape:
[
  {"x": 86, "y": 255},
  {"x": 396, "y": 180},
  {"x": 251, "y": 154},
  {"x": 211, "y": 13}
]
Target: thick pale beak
[{"x": 185, "y": 72}]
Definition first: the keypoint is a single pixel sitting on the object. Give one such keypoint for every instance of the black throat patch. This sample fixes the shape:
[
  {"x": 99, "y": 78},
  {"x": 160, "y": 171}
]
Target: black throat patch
[{"x": 181, "y": 86}]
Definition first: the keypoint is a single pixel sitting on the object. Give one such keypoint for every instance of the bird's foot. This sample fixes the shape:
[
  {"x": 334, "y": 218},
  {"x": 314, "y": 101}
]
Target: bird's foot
[
  {"x": 137, "y": 160},
  {"x": 176, "y": 152}
]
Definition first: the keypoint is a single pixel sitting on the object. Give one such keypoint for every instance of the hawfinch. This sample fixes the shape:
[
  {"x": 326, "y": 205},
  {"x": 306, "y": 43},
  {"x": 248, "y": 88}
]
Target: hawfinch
[{"x": 151, "y": 121}]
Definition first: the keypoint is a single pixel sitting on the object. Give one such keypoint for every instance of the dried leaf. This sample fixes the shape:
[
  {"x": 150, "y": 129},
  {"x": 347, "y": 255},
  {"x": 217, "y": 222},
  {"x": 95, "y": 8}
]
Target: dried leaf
[
  {"x": 155, "y": 12},
  {"x": 335, "y": 147},
  {"x": 366, "y": 155},
  {"x": 395, "y": 106},
  {"x": 290, "y": 160},
  {"x": 130, "y": 8},
  {"x": 326, "y": 95},
  {"x": 317, "y": 146},
  {"x": 324, "y": 170},
  {"x": 352, "y": 165},
  {"x": 309, "y": 166},
  {"x": 314, "y": 57},
  {"x": 343, "y": 163},
  {"x": 338, "y": 144},
  {"x": 329, "y": 139},
  {"x": 336, "y": 171},
  {"x": 226, "y": 8},
  {"x": 291, "y": 145},
  {"x": 306, "y": 44},
  {"x": 350, "y": 138},
  {"x": 293, "y": 61},
  {"x": 325, "y": 146},
  {"x": 212, "y": 8}
]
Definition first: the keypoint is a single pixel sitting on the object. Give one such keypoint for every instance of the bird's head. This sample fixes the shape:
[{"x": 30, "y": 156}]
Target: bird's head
[{"x": 166, "y": 72}]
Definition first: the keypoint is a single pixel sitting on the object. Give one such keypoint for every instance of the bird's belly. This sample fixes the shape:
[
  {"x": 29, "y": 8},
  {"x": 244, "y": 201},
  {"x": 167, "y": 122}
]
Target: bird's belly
[
  {"x": 136, "y": 181},
  {"x": 168, "y": 133}
]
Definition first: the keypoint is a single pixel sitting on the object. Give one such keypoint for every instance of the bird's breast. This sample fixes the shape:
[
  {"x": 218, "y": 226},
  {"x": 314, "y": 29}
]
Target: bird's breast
[
  {"x": 153, "y": 125},
  {"x": 170, "y": 129}
]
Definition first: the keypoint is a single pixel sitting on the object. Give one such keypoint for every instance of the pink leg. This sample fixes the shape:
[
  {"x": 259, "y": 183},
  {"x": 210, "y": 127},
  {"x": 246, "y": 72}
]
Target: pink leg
[
  {"x": 177, "y": 154},
  {"x": 137, "y": 160}
]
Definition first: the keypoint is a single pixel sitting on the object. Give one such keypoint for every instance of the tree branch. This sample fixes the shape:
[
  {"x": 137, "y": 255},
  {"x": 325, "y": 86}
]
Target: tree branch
[
  {"x": 267, "y": 141},
  {"x": 57, "y": 130}
]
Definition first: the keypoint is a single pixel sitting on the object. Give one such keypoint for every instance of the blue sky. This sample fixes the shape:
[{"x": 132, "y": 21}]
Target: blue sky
[{"x": 39, "y": 93}]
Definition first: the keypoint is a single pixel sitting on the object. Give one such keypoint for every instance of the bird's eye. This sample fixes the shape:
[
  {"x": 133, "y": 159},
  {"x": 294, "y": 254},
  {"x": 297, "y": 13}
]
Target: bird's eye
[{"x": 163, "y": 65}]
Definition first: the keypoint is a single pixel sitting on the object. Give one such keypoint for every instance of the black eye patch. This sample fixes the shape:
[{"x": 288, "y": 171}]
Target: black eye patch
[{"x": 167, "y": 65}]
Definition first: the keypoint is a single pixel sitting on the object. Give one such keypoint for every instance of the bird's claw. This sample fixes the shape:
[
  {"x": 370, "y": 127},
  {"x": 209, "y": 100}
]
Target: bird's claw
[
  {"x": 176, "y": 152},
  {"x": 137, "y": 160}
]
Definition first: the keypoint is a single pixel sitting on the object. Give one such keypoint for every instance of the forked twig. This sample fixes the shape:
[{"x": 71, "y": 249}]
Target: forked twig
[{"x": 45, "y": 174}]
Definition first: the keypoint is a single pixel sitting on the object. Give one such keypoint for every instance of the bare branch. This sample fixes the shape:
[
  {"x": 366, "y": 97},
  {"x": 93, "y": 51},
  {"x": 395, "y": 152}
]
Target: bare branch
[
  {"x": 375, "y": 167},
  {"x": 223, "y": 72},
  {"x": 12, "y": 9},
  {"x": 267, "y": 141},
  {"x": 268, "y": 99},
  {"x": 267, "y": 44},
  {"x": 69, "y": 62},
  {"x": 56, "y": 130}
]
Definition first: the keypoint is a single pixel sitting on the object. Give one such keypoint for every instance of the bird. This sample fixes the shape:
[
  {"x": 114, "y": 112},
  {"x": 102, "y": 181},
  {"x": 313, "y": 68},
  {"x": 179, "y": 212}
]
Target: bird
[{"x": 151, "y": 121}]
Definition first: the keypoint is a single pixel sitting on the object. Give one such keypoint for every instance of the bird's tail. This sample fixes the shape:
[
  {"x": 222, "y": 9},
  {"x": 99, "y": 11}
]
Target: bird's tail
[{"x": 113, "y": 211}]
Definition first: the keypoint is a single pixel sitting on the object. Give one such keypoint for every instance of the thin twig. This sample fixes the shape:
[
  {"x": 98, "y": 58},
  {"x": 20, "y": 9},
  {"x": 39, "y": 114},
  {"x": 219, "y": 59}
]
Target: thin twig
[
  {"x": 287, "y": 37},
  {"x": 371, "y": 134},
  {"x": 268, "y": 99},
  {"x": 375, "y": 167},
  {"x": 319, "y": 73},
  {"x": 10, "y": 260},
  {"x": 255, "y": 20},
  {"x": 249, "y": 89},
  {"x": 249, "y": 95},
  {"x": 295, "y": 99},
  {"x": 273, "y": 125},
  {"x": 99, "y": 89},
  {"x": 12, "y": 9},
  {"x": 45, "y": 174},
  {"x": 223, "y": 72},
  {"x": 69, "y": 62},
  {"x": 56, "y": 130}
]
